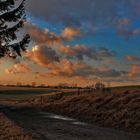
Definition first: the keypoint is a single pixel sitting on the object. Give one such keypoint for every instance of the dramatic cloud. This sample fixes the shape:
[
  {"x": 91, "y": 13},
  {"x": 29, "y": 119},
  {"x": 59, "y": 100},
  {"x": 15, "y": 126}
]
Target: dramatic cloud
[
  {"x": 43, "y": 55},
  {"x": 79, "y": 40},
  {"x": 47, "y": 37},
  {"x": 82, "y": 51},
  {"x": 65, "y": 67},
  {"x": 78, "y": 51},
  {"x": 67, "y": 61},
  {"x": 79, "y": 69},
  {"x": 57, "y": 44}
]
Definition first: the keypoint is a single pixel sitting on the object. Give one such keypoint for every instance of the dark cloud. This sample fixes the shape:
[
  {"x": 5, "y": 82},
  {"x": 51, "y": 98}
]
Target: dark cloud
[
  {"x": 80, "y": 69},
  {"x": 78, "y": 51},
  {"x": 108, "y": 73},
  {"x": 104, "y": 53},
  {"x": 57, "y": 42},
  {"x": 43, "y": 55},
  {"x": 82, "y": 51},
  {"x": 74, "y": 12}
]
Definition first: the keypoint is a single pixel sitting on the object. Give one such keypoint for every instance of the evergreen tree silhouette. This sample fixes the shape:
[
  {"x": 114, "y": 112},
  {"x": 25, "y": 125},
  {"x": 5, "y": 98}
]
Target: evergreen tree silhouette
[{"x": 12, "y": 18}]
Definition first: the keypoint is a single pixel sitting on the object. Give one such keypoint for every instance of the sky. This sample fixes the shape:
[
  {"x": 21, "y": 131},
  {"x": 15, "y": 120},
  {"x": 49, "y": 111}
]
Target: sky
[{"x": 78, "y": 42}]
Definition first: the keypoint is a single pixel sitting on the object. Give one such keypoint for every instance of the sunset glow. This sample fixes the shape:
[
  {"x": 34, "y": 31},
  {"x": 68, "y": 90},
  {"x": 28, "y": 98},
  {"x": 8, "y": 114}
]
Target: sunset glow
[{"x": 78, "y": 44}]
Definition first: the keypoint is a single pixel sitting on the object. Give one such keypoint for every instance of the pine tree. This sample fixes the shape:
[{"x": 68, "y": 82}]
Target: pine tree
[{"x": 12, "y": 18}]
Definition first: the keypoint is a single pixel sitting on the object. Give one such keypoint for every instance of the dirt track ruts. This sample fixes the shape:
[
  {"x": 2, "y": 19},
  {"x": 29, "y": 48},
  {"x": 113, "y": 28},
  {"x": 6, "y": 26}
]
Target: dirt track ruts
[{"x": 48, "y": 126}]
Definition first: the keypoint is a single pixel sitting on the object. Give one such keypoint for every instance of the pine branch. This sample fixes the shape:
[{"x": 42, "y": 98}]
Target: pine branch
[
  {"x": 9, "y": 34},
  {"x": 14, "y": 15},
  {"x": 22, "y": 44},
  {"x": 15, "y": 49},
  {"x": 2, "y": 26},
  {"x": 6, "y": 5}
]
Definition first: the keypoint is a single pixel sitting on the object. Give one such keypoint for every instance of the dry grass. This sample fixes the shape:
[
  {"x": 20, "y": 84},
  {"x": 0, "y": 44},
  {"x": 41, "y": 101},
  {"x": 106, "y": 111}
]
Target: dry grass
[
  {"x": 117, "y": 110},
  {"x": 9, "y": 131}
]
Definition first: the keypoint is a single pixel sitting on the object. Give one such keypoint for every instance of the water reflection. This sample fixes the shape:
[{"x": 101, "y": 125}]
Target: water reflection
[{"x": 60, "y": 117}]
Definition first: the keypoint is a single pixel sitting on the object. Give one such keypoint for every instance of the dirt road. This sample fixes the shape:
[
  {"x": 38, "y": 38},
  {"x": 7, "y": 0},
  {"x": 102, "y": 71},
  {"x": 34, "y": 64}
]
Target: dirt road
[{"x": 48, "y": 126}]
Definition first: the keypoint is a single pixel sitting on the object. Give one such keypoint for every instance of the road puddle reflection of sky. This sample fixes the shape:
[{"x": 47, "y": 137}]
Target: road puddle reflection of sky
[{"x": 60, "y": 117}]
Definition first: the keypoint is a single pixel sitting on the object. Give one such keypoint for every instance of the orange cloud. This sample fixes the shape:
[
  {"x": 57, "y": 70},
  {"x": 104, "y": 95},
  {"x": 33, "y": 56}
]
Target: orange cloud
[
  {"x": 78, "y": 51},
  {"x": 66, "y": 61},
  {"x": 42, "y": 37},
  {"x": 132, "y": 58},
  {"x": 69, "y": 33},
  {"x": 57, "y": 43},
  {"x": 68, "y": 68},
  {"x": 135, "y": 71},
  {"x": 18, "y": 68},
  {"x": 82, "y": 51},
  {"x": 43, "y": 55},
  {"x": 65, "y": 68}
]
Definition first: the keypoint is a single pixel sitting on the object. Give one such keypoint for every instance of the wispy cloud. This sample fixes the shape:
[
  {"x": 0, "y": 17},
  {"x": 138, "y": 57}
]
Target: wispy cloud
[{"x": 18, "y": 68}]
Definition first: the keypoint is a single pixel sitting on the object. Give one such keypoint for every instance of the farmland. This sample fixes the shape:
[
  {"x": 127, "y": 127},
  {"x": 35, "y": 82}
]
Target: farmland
[{"x": 50, "y": 112}]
